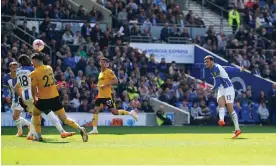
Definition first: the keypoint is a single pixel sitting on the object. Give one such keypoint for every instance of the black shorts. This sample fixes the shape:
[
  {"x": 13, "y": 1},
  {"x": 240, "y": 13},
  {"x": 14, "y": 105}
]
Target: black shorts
[
  {"x": 105, "y": 101},
  {"x": 48, "y": 105}
]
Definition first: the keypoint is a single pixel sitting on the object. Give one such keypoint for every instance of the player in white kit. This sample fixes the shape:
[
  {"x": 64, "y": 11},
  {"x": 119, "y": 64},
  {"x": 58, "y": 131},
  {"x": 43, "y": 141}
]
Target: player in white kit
[
  {"x": 10, "y": 81},
  {"x": 23, "y": 87},
  {"x": 226, "y": 92},
  {"x": 24, "y": 84}
]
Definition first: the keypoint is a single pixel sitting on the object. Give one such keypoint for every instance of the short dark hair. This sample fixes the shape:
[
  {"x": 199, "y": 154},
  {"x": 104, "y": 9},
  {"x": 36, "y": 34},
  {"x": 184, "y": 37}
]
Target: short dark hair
[
  {"x": 209, "y": 57},
  {"x": 24, "y": 60},
  {"x": 38, "y": 56}
]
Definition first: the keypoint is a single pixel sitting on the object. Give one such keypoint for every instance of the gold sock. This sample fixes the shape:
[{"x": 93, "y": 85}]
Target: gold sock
[
  {"x": 71, "y": 123},
  {"x": 123, "y": 112},
  {"x": 95, "y": 120},
  {"x": 36, "y": 120}
]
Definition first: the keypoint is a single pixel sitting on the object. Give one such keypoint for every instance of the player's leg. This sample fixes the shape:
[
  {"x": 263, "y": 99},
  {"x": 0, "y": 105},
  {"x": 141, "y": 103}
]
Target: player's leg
[
  {"x": 221, "y": 104},
  {"x": 229, "y": 98},
  {"x": 36, "y": 121},
  {"x": 70, "y": 122},
  {"x": 19, "y": 121},
  {"x": 124, "y": 112},
  {"x": 30, "y": 107},
  {"x": 111, "y": 104},
  {"x": 95, "y": 119}
]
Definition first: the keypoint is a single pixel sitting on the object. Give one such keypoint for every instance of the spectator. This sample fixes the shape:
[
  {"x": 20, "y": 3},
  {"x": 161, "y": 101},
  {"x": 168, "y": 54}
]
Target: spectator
[
  {"x": 144, "y": 91},
  {"x": 263, "y": 98},
  {"x": 132, "y": 90},
  {"x": 91, "y": 70},
  {"x": 208, "y": 45},
  {"x": 146, "y": 107},
  {"x": 185, "y": 33},
  {"x": 85, "y": 30},
  {"x": 164, "y": 35},
  {"x": 234, "y": 19},
  {"x": 67, "y": 37},
  {"x": 152, "y": 65},
  {"x": 263, "y": 113},
  {"x": 205, "y": 111},
  {"x": 195, "y": 111},
  {"x": 79, "y": 40},
  {"x": 75, "y": 102},
  {"x": 135, "y": 30},
  {"x": 184, "y": 106},
  {"x": 161, "y": 118},
  {"x": 85, "y": 106},
  {"x": 244, "y": 99}
]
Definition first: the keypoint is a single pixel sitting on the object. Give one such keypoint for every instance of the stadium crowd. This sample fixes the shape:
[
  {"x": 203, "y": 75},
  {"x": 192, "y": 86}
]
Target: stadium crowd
[
  {"x": 77, "y": 68},
  {"x": 54, "y": 9}
]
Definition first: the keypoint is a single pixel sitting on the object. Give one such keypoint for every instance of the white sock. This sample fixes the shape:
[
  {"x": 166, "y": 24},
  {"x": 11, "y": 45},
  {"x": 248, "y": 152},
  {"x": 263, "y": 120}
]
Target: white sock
[
  {"x": 95, "y": 128},
  {"x": 18, "y": 125},
  {"x": 55, "y": 122},
  {"x": 24, "y": 122},
  {"x": 221, "y": 113},
  {"x": 235, "y": 120}
]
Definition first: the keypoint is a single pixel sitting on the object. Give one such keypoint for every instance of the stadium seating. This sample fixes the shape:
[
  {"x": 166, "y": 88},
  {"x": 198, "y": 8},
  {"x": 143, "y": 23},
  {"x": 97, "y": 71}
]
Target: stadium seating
[{"x": 69, "y": 59}]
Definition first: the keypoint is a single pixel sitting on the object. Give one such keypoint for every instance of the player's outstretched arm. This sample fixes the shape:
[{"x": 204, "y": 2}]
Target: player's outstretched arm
[{"x": 233, "y": 69}]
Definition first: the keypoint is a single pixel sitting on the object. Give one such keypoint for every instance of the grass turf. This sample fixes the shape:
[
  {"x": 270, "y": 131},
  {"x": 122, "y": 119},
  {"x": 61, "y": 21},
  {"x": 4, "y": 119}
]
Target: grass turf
[{"x": 145, "y": 145}]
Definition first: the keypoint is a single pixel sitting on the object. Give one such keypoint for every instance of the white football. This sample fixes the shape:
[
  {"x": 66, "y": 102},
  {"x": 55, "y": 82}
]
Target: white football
[{"x": 38, "y": 45}]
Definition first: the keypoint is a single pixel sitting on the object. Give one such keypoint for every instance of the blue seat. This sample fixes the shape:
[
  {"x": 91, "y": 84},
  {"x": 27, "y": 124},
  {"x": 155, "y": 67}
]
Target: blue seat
[
  {"x": 178, "y": 104},
  {"x": 255, "y": 116},
  {"x": 273, "y": 7},
  {"x": 213, "y": 109},
  {"x": 192, "y": 97},
  {"x": 245, "y": 114},
  {"x": 189, "y": 104},
  {"x": 262, "y": 3},
  {"x": 255, "y": 106}
]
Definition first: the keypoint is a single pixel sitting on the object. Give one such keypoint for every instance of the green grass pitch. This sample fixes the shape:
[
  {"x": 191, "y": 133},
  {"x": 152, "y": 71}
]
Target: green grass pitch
[{"x": 145, "y": 145}]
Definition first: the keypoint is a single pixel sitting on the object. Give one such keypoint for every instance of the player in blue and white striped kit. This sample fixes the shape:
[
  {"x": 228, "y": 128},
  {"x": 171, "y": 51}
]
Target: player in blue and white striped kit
[
  {"x": 24, "y": 85},
  {"x": 10, "y": 81},
  {"x": 226, "y": 92}
]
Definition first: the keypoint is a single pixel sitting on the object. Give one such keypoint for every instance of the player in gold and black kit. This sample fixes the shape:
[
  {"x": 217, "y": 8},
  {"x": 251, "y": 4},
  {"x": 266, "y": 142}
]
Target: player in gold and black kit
[
  {"x": 43, "y": 83},
  {"x": 106, "y": 80}
]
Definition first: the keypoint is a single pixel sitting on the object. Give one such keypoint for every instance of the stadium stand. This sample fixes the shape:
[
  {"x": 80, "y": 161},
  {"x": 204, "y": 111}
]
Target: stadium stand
[{"x": 76, "y": 40}]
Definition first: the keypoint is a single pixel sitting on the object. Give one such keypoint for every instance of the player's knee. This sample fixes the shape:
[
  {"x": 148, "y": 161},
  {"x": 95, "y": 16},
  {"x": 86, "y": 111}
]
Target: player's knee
[
  {"x": 61, "y": 114},
  {"x": 36, "y": 112},
  {"x": 16, "y": 115}
]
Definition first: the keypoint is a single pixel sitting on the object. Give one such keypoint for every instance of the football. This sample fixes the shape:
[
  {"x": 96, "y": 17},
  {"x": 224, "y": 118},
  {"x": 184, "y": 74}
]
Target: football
[{"x": 38, "y": 45}]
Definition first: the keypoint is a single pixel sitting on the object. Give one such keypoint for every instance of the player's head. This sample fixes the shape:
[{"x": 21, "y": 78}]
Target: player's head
[
  {"x": 13, "y": 67},
  {"x": 37, "y": 59},
  {"x": 209, "y": 61},
  {"x": 25, "y": 60},
  {"x": 104, "y": 63}
]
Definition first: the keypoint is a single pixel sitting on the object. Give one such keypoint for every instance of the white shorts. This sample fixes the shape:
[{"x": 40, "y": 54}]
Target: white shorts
[
  {"x": 16, "y": 106},
  {"x": 27, "y": 95},
  {"x": 228, "y": 93},
  {"x": 30, "y": 105}
]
